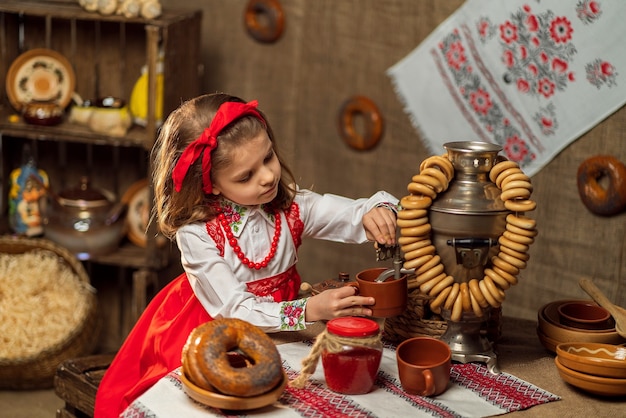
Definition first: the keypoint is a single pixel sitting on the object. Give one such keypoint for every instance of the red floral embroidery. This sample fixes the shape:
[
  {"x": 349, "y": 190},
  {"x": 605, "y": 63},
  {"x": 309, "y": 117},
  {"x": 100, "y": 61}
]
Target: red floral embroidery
[
  {"x": 271, "y": 285},
  {"x": 515, "y": 148},
  {"x": 601, "y": 72},
  {"x": 296, "y": 226},
  {"x": 561, "y": 30},
  {"x": 215, "y": 232},
  {"x": 545, "y": 87},
  {"x": 456, "y": 55},
  {"x": 478, "y": 92},
  {"x": 508, "y": 32},
  {"x": 588, "y": 11},
  {"x": 480, "y": 101}
]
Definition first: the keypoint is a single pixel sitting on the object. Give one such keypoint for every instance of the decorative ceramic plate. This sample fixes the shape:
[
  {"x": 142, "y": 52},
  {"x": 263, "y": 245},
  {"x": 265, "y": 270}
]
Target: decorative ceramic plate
[
  {"x": 40, "y": 75},
  {"x": 604, "y": 386},
  {"x": 218, "y": 400},
  {"x": 606, "y": 360},
  {"x": 137, "y": 197}
]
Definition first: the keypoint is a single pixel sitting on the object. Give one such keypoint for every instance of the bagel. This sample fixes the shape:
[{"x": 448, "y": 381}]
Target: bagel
[
  {"x": 415, "y": 202},
  {"x": 441, "y": 163},
  {"x": 421, "y": 189},
  {"x": 478, "y": 310},
  {"x": 497, "y": 279},
  {"x": 265, "y": 20},
  {"x": 500, "y": 167},
  {"x": 364, "y": 108},
  {"x": 520, "y": 205},
  {"x": 598, "y": 199},
  {"x": 410, "y": 223},
  {"x": 435, "y": 305},
  {"x": 436, "y": 173},
  {"x": 430, "y": 181},
  {"x": 475, "y": 291},
  {"x": 452, "y": 297},
  {"x": 408, "y": 214},
  {"x": 521, "y": 221},
  {"x": 207, "y": 363}
]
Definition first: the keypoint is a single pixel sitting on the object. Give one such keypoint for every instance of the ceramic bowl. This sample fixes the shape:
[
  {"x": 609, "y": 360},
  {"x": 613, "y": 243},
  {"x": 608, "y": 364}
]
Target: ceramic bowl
[
  {"x": 551, "y": 332},
  {"x": 583, "y": 315},
  {"x": 42, "y": 113},
  {"x": 593, "y": 358},
  {"x": 597, "y": 385}
]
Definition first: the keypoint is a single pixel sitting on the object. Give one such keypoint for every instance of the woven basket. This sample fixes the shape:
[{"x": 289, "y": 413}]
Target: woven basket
[
  {"x": 37, "y": 371},
  {"x": 419, "y": 321}
]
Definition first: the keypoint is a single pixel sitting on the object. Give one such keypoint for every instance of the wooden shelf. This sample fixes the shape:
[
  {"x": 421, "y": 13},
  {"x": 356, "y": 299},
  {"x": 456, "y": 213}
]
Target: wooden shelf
[
  {"x": 70, "y": 9},
  {"x": 108, "y": 55},
  {"x": 136, "y": 136}
]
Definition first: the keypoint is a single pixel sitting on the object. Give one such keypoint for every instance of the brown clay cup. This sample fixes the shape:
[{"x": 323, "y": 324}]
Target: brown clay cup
[
  {"x": 390, "y": 295},
  {"x": 424, "y": 366}
]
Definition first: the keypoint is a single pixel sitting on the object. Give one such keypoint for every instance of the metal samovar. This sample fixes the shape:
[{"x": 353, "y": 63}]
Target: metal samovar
[{"x": 467, "y": 219}]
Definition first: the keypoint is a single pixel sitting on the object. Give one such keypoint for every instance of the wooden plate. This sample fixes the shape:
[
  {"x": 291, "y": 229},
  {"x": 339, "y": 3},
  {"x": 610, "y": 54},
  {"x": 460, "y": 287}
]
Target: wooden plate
[
  {"x": 40, "y": 75},
  {"x": 218, "y": 400},
  {"x": 604, "y": 386}
]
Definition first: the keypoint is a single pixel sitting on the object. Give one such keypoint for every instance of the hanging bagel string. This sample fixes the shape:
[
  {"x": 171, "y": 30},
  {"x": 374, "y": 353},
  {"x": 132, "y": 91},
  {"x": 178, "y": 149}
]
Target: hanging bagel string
[{"x": 420, "y": 254}]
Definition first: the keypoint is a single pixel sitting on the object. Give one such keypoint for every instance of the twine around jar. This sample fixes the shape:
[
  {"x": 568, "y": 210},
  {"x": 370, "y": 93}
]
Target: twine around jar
[{"x": 331, "y": 343}]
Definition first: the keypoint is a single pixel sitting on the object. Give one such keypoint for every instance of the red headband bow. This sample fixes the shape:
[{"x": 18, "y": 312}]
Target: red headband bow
[{"x": 227, "y": 113}]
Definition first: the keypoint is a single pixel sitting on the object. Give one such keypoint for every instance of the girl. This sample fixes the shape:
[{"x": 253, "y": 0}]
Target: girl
[{"x": 224, "y": 193}]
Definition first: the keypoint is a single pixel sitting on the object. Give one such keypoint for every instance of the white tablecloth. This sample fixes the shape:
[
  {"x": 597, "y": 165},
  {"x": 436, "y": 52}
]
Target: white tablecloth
[{"x": 473, "y": 392}]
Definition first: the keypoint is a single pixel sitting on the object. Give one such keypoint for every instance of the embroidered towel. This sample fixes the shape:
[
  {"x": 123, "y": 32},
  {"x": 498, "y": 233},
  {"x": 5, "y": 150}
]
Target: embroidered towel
[
  {"x": 532, "y": 76},
  {"x": 473, "y": 392}
]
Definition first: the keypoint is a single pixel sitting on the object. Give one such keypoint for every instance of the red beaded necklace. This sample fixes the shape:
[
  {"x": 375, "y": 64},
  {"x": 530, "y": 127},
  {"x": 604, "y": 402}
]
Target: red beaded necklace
[{"x": 232, "y": 240}]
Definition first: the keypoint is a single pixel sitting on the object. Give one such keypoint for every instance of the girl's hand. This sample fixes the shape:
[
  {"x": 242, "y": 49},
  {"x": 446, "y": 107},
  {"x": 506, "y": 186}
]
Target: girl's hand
[
  {"x": 380, "y": 225},
  {"x": 334, "y": 303}
]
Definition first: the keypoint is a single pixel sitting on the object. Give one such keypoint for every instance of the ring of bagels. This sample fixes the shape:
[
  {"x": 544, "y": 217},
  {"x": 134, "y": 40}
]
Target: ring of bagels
[{"x": 420, "y": 255}]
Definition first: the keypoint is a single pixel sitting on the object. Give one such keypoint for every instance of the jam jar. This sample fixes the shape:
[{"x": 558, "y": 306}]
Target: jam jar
[{"x": 352, "y": 356}]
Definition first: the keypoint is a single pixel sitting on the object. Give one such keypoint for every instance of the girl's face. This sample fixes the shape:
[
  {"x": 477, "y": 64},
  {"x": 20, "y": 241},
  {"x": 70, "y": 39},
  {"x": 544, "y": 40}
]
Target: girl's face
[{"x": 253, "y": 177}]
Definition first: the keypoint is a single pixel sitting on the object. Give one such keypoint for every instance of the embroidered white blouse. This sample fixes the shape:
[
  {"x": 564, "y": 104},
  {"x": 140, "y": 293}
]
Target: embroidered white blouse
[{"x": 219, "y": 282}]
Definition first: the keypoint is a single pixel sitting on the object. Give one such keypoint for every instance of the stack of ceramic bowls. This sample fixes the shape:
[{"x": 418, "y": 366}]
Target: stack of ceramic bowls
[
  {"x": 575, "y": 320},
  {"x": 596, "y": 368}
]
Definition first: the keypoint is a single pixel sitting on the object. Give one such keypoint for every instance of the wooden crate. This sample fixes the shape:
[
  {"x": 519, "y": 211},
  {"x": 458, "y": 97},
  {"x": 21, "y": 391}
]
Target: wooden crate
[{"x": 76, "y": 383}]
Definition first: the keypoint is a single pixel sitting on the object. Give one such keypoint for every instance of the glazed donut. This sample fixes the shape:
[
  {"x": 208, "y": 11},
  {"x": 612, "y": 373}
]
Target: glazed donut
[
  {"x": 599, "y": 200},
  {"x": 207, "y": 363}
]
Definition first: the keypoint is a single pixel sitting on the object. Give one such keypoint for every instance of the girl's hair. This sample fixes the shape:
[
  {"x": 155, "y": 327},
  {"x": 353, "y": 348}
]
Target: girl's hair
[{"x": 172, "y": 209}]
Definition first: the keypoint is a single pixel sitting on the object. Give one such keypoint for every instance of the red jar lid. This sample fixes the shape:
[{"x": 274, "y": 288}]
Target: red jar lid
[{"x": 352, "y": 326}]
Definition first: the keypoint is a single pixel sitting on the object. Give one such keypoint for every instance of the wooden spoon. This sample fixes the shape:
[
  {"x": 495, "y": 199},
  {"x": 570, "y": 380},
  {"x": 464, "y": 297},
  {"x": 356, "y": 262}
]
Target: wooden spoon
[{"x": 618, "y": 313}]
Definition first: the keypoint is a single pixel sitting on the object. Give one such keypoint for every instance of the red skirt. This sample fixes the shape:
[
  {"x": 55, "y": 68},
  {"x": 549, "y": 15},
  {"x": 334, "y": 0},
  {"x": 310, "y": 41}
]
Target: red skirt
[{"x": 153, "y": 347}]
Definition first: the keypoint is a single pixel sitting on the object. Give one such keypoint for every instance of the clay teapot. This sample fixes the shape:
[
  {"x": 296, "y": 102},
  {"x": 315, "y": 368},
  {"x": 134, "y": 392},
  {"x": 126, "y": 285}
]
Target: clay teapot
[{"x": 85, "y": 220}]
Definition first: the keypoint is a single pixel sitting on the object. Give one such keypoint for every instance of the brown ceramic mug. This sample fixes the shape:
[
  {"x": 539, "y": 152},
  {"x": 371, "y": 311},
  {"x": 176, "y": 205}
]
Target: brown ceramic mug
[
  {"x": 390, "y": 295},
  {"x": 424, "y": 366}
]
